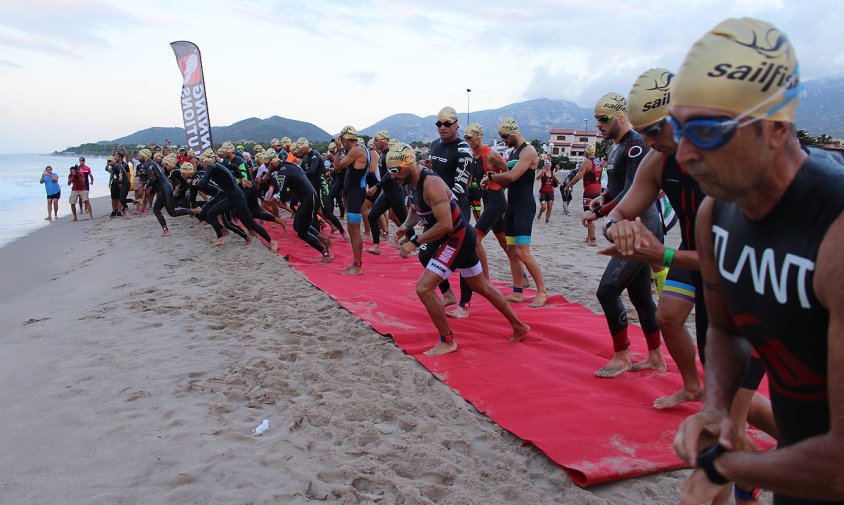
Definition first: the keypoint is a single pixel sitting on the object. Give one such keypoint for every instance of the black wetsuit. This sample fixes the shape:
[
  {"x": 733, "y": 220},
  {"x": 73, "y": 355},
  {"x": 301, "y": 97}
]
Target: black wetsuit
[
  {"x": 234, "y": 199},
  {"x": 241, "y": 170},
  {"x": 215, "y": 194},
  {"x": 391, "y": 197},
  {"x": 453, "y": 163},
  {"x": 624, "y": 159},
  {"x": 291, "y": 176},
  {"x": 164, "y": 194},
  {"x": 118, "y": 174},
  {"x": 314, "y": 168},
  {"x": 766, "y": 268}
]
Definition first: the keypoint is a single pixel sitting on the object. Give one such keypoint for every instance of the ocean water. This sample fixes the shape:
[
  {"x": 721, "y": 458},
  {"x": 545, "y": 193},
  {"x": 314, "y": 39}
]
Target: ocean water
[{"x": 23, "y": 200}]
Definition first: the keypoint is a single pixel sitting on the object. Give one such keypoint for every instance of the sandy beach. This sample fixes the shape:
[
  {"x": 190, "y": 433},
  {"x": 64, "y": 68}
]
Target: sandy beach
[{"x": 134, "y": 369}]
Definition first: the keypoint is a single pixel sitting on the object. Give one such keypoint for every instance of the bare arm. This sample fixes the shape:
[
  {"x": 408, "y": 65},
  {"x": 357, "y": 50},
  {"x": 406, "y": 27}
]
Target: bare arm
[
  {"x": 348, "y": 160},
  {"x": 527, "y": 159},
  {"x": 584, "y": 167},
  {"x": 438, "y": 197}
]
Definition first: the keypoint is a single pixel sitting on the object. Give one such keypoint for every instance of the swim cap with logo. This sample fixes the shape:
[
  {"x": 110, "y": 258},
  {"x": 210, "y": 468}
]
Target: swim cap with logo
[
  {"x": 301, "y": 143},
  {"x": 332, "y": 146},
  {"x": 169, "y": 161},
  {"x": 371, "y": 143},
  {"x": 269, "y": 156},
  {"x": 393, "y": 142},
  {"x": 285, "y": 141},
  {"x": 400, "y": 155},
  {"x": 590, "y": 149},
  {"x": 187, "y": 169},
  {"x": 110, "y": 158},
  {"x": 650, "y": 97},
  {"x": 508, "y": 125},
  {"x": 737, "y": 66},
  {"x": 258, "y": 149},
  {"x": 349, "y": 132},
  {"x": 145, "y": 152},
  {"x": 274, "y": 142},
  {"x": 382, "y": 135},
  {"x": 611, "y": 104},
  {"x": 208, "y": 155},
  {"x": 447, "y": 114},
  {"x": 227, "y": 147},
  {"x": 474, "y": 130}
]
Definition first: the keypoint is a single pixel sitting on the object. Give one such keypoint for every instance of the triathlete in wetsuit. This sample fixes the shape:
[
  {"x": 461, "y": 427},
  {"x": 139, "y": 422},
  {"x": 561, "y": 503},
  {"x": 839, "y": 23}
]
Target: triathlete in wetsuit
[
  {"x": 627, "y": 152},
  {"x": 447, "y": 243},
  {"x": 246, "y": 180},
  {"x": 289, "y": 176},
  {"x": 391, "y": 195},
  {"x": 451, "y": 159},
  {"x": 234, "y": 199},
  {"x": 164, "y": 191},
  {"x": 314, "y": 168},
  {"x": 356, "y": 163}
]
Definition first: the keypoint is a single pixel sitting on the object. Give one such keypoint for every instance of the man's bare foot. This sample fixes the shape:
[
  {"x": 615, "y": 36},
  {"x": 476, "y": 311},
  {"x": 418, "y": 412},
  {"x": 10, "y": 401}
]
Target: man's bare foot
[
  {"x": 615, "y": 367},
  {"x": 345, "y": 237},
  {"x": 449, "y": 299},
  {"x": 74, "y": 219},
  {"x": 458, "y": 313},
  {"x": 592, "y": 242},
  {"x": 281, "y": 222},
  {"x": 329, "y": 246},
  {"x": 225, "y": 232},
  {"x": 273, "y": 246},
  {"x": 328, "y": 258},
  {"x": 442, "y": 348},
  {"x": 682, "y": 396},
  {"x": 519, "y": 331},
  {"x": 352, "y": 270},
  {"x": 540, "y": 300},
  {"x": 165, "y": 233},
  {"x": 248, "y": 239},
  {"x": 655, "y": 361},
  {"x": 515, "y": 297},
  {"x": 217, "y": 243},
  {"x": 375, "y": 249}
]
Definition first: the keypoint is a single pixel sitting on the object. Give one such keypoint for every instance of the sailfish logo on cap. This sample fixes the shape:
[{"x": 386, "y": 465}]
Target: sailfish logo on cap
[
  {"x": 774, "y": 47},
  {"x": 662, "y": 83}
]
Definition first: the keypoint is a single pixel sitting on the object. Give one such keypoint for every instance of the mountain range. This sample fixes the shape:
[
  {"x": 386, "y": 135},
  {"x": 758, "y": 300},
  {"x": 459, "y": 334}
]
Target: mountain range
[{"x": 821, "y": 110}]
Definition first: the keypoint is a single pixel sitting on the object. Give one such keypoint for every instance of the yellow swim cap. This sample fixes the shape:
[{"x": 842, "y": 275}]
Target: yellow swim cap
[
  {"x": 400, "y": 155},
  {"x": 145, "y": 152},
  {"x": 187, "y": 169},
  {"x": 508, "y": 125},
  {"x": 207, "y": 155},
  {"x": 227, "y": 147},
  {"x": 447, "y": 114},
  {"x": 650, "y": 97},
  {"x": 590, "y": 149},
  {"x": 746, "y": 66},
  {"x": 382, "y": 135},
  {"x": 349, "y": 132},
  {"x": 474, "y": 130},
  {"x": 611, "y": 104}
]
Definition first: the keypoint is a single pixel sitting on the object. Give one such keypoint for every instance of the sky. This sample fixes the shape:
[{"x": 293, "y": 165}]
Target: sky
[{"x": 75, "y": 71}]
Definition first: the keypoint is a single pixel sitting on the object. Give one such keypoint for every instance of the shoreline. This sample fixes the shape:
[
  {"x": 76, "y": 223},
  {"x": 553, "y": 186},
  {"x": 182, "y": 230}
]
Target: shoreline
[{"x": 137, "y": 367}]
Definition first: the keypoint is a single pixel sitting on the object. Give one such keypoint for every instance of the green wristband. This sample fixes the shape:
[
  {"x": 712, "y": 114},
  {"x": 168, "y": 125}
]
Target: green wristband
[{"x": 668, "y": 257}]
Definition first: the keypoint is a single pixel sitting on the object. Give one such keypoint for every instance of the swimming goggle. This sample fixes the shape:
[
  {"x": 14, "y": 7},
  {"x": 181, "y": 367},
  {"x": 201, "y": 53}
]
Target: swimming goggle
[
  {"x": 604, "y": 118},
  {"x": 713, "y": 132},
  {"x": 655, "y": 129}
]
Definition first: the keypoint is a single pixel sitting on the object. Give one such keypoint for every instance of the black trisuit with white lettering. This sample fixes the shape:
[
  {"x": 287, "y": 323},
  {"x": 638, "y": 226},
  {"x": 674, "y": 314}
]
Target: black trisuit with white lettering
[
  {"x": 455, "y": 251},
  {"x": 623, "y": 160},
  {"x": 314, "y": 169},
  {"x": 766, "y": 268}
]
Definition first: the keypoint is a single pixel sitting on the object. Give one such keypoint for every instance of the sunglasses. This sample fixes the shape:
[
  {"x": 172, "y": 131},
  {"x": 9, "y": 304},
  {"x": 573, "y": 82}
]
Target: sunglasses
[
  {"x": 447, "y": 124},
  {"x": 655, "y": 129},
  {"x": 468, "y": 137},
  {"x": 504, "y": 135},
  {"x": 605, "y": 118},
  {"x": 712, "y": 132}
]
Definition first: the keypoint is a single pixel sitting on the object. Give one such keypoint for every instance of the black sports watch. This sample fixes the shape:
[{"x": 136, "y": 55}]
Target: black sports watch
[
  {"x": 413, "y": 240},
  {"x": 610, "y": 222},
  {"x": 706, "y": 462}
]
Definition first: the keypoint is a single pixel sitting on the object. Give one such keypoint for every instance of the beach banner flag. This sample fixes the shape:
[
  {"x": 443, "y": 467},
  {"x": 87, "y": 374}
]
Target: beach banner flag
[{"x": 194, "y": 101}]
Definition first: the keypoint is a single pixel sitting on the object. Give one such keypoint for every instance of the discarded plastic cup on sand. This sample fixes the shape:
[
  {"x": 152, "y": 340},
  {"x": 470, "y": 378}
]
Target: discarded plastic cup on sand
[{"x": 261, "y": 428}]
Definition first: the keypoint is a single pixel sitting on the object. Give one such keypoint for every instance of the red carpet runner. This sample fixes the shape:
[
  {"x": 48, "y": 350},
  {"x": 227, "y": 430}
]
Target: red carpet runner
[{"x": 542, "y": 389}]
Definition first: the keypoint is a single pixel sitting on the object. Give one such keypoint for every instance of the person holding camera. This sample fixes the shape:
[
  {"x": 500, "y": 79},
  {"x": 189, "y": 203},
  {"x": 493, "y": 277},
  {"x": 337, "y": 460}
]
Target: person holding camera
[
  {"x": 54, "y": 192},
  {"x": 78, "y": 193}
]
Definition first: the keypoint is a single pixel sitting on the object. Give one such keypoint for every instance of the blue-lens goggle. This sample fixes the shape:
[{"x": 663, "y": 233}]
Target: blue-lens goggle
[{"x": 713, "y": 132}]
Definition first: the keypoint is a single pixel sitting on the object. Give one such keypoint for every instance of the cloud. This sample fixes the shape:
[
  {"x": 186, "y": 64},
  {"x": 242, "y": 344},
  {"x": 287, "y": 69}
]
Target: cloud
[{"x": 364, "y": 77}]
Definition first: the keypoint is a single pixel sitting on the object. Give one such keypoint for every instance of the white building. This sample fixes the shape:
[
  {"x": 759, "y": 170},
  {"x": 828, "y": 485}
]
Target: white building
[{"x": 571, "y": 143}]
